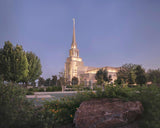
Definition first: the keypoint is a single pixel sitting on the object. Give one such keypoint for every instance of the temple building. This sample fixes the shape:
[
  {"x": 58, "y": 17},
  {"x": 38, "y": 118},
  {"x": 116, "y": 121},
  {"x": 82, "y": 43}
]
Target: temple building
[{"x": 74, "y": 66}]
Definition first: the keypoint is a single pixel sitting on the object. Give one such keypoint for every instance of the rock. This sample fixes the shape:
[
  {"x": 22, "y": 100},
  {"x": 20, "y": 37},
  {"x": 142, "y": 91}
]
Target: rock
[{"x": 108, "y": 113}]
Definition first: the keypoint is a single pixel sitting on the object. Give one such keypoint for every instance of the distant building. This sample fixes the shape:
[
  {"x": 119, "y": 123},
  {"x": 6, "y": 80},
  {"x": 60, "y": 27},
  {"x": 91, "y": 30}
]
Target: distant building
[{"x": 74, "y": 66}]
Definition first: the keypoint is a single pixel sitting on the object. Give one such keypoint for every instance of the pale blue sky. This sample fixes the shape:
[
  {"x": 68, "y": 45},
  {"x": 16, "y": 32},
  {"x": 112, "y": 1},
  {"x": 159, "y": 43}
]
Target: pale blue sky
[{"x": 108, "y": 32}]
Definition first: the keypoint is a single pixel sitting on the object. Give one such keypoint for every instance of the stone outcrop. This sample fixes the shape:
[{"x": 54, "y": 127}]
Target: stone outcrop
[{"x": 108, "y": 113}]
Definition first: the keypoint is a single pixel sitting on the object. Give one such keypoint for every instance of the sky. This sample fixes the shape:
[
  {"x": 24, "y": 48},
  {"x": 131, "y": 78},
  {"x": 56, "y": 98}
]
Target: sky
[{"x": 108, "y": 32}]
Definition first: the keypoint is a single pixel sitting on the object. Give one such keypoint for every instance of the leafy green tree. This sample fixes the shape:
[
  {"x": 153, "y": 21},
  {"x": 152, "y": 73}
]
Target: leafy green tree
[
  {"x": 101, "y": 76},
  {"x": 140, "y": 75},
  {"x": 13, "y": 61},
  {"x": 54, "y": 80},
  {"x": 126, "y": 74},
  {"x": 41, "y": 81},
  {"x": 132, "y": 77},
  {"x": 34, "y": 67},
  {"x": 20, "y": 65},
  {"x": 153, "y": 75},
  {"x": 6, "y": 61},
  {"x": 47, "y": 82},
  {"x": 74, "y": 81},
  {"x": 62, "y": 80},
  {"x": 1, "y": 65}
]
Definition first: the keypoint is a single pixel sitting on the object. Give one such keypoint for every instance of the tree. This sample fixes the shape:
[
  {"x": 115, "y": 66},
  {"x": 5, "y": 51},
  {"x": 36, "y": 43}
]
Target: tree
[
  {"x": 126, "y": 74},
  {"x": 82, "y": 80},
  {"x": 132, "y": 77},
  {"x": 20, "y": 65},
  {"x": 61, "y": 81},
  {"x": 153, "y": 75},
  {"x": 34, "y": 67},
  {"x": 13, "y": 61},
  {"x": 74, "y": 81},
  {"x": 41, "y": 81},
  {"x": 54, "y": 80},
  {"x": 140, "y": 75},
  {"x": 101, "y": 76},
  {"x": 47, "y": 82},
  {"x": 6, "y": 61},
  {"x": 1, "y": 65}
]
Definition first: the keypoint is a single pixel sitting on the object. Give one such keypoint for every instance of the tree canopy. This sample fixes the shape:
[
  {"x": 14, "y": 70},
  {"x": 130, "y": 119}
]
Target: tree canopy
[
  {"x": 140, "y": 75},
  {"x": 41, "y": 81},
  {"x": 126, "y": 74},
  {"x": 153, "y": 75},
  {"x": 54, "y": 80},
  {"x": 6, "y": 61},
  {"x": 34, "y": 67},
  {"x": 101, "y": 76},
  {"x": 18, "y": 66},
  {"x": 131, "y": 74}
]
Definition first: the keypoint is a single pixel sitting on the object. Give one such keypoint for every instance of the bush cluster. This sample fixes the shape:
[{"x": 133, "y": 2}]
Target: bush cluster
[
  {"x": 78, "y": 88},
  {"x": 53, "y": 88},
  {"x": 17, "y": 112},
  {"x": 31, "y": 91},
  {"x": 63, "y": 110}
]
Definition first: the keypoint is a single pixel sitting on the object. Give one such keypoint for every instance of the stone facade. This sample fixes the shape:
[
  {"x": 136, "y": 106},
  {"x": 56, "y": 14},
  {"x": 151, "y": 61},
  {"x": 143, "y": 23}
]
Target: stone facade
[{"x": 74, "y": 66}]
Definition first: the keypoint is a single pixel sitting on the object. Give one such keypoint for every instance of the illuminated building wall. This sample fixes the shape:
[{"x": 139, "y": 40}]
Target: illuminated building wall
[{"x": 74, "y": 66}]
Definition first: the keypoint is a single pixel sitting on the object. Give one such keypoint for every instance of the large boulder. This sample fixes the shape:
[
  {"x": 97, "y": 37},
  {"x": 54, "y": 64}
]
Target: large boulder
[{"x": 108, "y": 113}]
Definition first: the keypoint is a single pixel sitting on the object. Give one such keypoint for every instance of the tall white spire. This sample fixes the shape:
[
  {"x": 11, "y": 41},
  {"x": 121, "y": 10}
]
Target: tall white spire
[
  {"x": 74, "y": 44},
  {"x": 74, "y": 52}
]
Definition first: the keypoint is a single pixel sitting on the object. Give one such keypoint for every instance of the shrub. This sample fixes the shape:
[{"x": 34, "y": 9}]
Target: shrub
[
  {"x": 54, "y": 88},
  {"x": 150, "y": 98},
  {"x": 48, "y": 89},
  {"x": 15, "y": 110},
  {"x": 69, "y": 86},
  {"x": 30, "y": 91},
  {"x": 41, "y": 89},
  {"x": 63, "y": 110}
]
